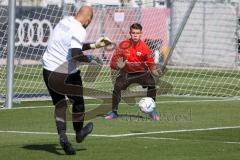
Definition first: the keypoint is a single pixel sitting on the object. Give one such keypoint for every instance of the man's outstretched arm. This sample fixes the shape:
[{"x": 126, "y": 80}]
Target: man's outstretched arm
[
  {"x": 101, "y": 42},
  {"x": 78, "y": 55}
]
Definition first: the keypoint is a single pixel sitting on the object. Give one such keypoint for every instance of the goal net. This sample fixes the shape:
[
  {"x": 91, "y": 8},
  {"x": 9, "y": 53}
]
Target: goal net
[
  {"x": 204, "y": 62},
  {"x": 206, "y": 57}
]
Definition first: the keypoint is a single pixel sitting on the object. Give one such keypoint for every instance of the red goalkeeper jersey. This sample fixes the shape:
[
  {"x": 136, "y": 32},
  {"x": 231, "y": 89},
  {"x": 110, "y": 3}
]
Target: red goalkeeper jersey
[{"x": 139, "y": 57}]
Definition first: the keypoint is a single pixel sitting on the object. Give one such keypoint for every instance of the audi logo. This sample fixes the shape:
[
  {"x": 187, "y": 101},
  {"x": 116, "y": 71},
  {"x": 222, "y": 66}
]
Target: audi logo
[{"x": 33, "y": 32}]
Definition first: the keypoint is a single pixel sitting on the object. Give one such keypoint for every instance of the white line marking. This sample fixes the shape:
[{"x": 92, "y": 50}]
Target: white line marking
[
  {"x": 232, "y": 142},
  {"x": 29, "y": 132},
  {"x": 48, "y": 133},
  {"x": 176, "y": 131},
  {"x": 157, "y": 138},
  {"x": 17, "y": 108},
  {"x": 175, "y": 139},
  {"x": 128, "y": 135},
  {"x": 160, "y": 102},
  {"x": 203, "y": 100}
]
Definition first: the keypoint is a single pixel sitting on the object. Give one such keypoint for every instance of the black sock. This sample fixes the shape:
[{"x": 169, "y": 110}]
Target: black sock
[
  {"x": 60, "y": 117},
  {"x": 77, "y": 126},
  {"x": 63, "y": 137},
  {"x": 78, "y": 116},
  {"x": 61, "y": 127}
]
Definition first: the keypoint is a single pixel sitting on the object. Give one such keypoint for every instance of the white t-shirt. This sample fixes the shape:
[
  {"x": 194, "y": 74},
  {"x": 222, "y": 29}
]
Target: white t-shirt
[{"x": 68, "y": 33}]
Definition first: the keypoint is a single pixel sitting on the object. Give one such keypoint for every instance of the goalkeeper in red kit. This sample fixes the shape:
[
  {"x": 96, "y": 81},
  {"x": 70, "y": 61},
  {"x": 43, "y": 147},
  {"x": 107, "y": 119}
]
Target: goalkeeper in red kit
[{"x": 134, "y": 60}]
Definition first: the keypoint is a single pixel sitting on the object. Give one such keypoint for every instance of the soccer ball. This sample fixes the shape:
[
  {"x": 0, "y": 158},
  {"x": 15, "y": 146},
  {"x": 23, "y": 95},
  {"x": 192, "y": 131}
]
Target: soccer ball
[{"x": 146, "y": 105}]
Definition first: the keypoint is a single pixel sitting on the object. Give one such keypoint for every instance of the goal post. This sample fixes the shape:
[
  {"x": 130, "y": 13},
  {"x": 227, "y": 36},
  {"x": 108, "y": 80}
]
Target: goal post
[
  {"x": 178, "y": 33},
  {"x": 11, "y": 51},
  {"x": 203, "y": 61}
]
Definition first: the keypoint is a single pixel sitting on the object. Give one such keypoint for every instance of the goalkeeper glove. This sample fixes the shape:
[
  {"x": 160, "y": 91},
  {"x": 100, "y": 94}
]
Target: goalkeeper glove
[
  {"x": 101, "y": 42},
  {"x": 159, "y": 71},
  {"x": 94, "y": 59},
  {"x": 120, "y": 63},
  {"x": 155, "y": 73}
]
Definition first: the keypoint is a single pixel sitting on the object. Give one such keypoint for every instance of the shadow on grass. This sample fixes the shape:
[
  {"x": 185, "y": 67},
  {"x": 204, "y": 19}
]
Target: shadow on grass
[
  {"x": 131, "y": 116},
  {"x": 125, "y": 116},
  {"x": 51, "y": 148},
  {"x": 138, "y": 117}
]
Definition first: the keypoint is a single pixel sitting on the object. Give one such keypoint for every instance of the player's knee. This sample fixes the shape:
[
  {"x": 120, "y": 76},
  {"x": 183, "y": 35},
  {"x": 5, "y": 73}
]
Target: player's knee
[
  {"x": 118, "y": 87},
  {"x": 59, "y": 102},
  {"x": 152, "y": 87},
  {"x": 78, "y": 108},
  {"x": 117, "y": 93}
]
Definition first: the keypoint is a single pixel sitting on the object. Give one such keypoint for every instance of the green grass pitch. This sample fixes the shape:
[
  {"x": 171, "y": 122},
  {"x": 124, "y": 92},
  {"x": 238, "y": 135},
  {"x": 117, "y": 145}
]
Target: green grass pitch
[
  {"x": 190, "y": 128},
  {"x": 183, "y": 81}
]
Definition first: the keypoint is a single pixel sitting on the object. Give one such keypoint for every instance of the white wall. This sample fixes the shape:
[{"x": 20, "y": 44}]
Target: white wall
[
  {"x": 33, "y": 2},
  {"x": 208, "y": 37},
  {"x": 104, "y": 2}
]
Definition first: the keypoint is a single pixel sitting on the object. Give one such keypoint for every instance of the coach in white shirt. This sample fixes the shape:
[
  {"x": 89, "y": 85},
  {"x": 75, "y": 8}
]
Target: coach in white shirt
[{"x": 62, "y": 77}]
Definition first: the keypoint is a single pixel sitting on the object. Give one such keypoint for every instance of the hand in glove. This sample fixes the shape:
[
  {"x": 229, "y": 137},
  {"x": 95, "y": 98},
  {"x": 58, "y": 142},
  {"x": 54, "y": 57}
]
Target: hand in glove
[
  {"x": 101, "y": 42},
  {"x": 155, "y": 73},
  {"x": 159, "y": 71},
  {"x": 121, "y": 63}
]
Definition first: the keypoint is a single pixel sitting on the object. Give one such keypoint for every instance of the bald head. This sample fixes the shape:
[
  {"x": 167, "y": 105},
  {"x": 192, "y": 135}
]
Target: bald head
[{"x": 84, "y": 15}]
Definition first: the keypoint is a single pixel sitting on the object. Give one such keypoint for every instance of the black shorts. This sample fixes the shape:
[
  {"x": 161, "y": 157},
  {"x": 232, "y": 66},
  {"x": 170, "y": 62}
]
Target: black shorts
[
  {"x": 60, "y": 85},
  {"x": 145, "y": 79}
]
